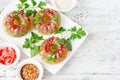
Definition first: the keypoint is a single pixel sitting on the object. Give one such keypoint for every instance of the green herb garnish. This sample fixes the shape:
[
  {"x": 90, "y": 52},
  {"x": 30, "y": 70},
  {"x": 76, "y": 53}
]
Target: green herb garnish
[
  {"x": 60, "y": 30},
  {"x": 30, "y": 12},
  {"x": 28, "y": 9},
  {"x": 30, "y": 43},
  {"x": 51, "y": 57},
  {"x": 6, "y": 28},
  {"x": 55, "y": 18},
  {"x": 42, "y": 4},
  {"x": 68, "y": 44},
  {"x": 23, "y": 5},
  {"x": 33, "y": 2},
  {"x": 35, "y": 37},
  {"x": 34, "y": 50},
  {"x": 15, "y": 13},
  {"x": 36, "y": 21},
  {"x": 26, "y": 5},
  {"x": 20, "y": 6},
  {"x": 22, "y": 1},
  {"x": 76, "y": 34}
]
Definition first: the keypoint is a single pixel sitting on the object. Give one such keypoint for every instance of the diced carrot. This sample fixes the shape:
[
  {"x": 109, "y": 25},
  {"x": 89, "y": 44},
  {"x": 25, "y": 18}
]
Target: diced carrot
[
  {"x": 10, "y": 31},
  {"x": 57, "y": 60},
  {"x": 41, "y": 48}
]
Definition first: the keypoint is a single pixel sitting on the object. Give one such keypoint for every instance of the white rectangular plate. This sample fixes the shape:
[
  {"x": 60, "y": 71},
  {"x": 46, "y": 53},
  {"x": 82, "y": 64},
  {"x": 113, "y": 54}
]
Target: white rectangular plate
[{"x": 66, "y": 22}]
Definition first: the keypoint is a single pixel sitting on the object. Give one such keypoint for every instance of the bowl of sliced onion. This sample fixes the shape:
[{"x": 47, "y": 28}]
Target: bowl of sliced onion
[{"x": 9, "y": 54}]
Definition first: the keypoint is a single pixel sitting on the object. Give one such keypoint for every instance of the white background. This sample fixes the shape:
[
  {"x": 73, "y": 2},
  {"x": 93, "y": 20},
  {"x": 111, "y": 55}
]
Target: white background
[{"x": 98, "y": 58}]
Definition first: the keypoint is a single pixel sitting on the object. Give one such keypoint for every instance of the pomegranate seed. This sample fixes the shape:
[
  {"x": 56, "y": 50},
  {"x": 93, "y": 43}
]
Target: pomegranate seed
[
  {"x": 50, "y": 12},
  {"x": 14, "y": 27},
  {"x": 62, "y": 46},
  {"x": 9, "y": 16},
  {"x": 46, "y": 48},
  {"x": 6, "y": 23},
  {"x": 21, "y": 13},
  {"x": 40, "y": 23}
]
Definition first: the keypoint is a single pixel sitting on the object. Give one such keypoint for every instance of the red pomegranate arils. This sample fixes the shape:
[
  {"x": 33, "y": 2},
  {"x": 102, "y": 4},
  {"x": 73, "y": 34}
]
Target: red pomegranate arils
[
  {"x": 46, "y": 48},
  {"x": 9, "y": 16}
]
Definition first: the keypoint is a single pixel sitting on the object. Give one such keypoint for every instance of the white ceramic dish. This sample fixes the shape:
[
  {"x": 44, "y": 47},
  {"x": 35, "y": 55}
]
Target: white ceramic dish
[
  {"x": 63, "y": 10},
  {"x": 65, "y": 21},
  {"x": 30, "y": 61},
  {"x": 7, "y": 43}
]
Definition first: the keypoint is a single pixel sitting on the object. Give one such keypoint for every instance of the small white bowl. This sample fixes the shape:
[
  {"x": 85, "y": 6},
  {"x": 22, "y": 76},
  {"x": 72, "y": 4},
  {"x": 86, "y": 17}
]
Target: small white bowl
[
  {"x": 63, "y": 10},
  {"x": 9, "y": 44},
  {"x": 30, "y": 61}
]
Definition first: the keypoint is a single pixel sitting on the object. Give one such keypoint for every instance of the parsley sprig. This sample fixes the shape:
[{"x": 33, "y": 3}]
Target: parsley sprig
[
  {"x": 60, "y": 30},
  {"x": 76, "y": 33},
  {"x": 42, "y": 4},
  {"x": 30, "y": 43},
  {"x": 68, "y": 44},
  {"x": 28, "y": 9}
]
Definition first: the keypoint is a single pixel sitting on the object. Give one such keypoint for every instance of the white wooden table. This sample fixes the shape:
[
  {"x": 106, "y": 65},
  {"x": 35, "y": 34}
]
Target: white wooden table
[{"x": 99, "y": 56}]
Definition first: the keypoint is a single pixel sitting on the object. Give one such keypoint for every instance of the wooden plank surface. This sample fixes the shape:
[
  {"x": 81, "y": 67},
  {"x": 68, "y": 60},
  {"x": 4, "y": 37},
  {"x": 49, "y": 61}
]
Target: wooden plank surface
[{"x": 99, "y": 56}]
